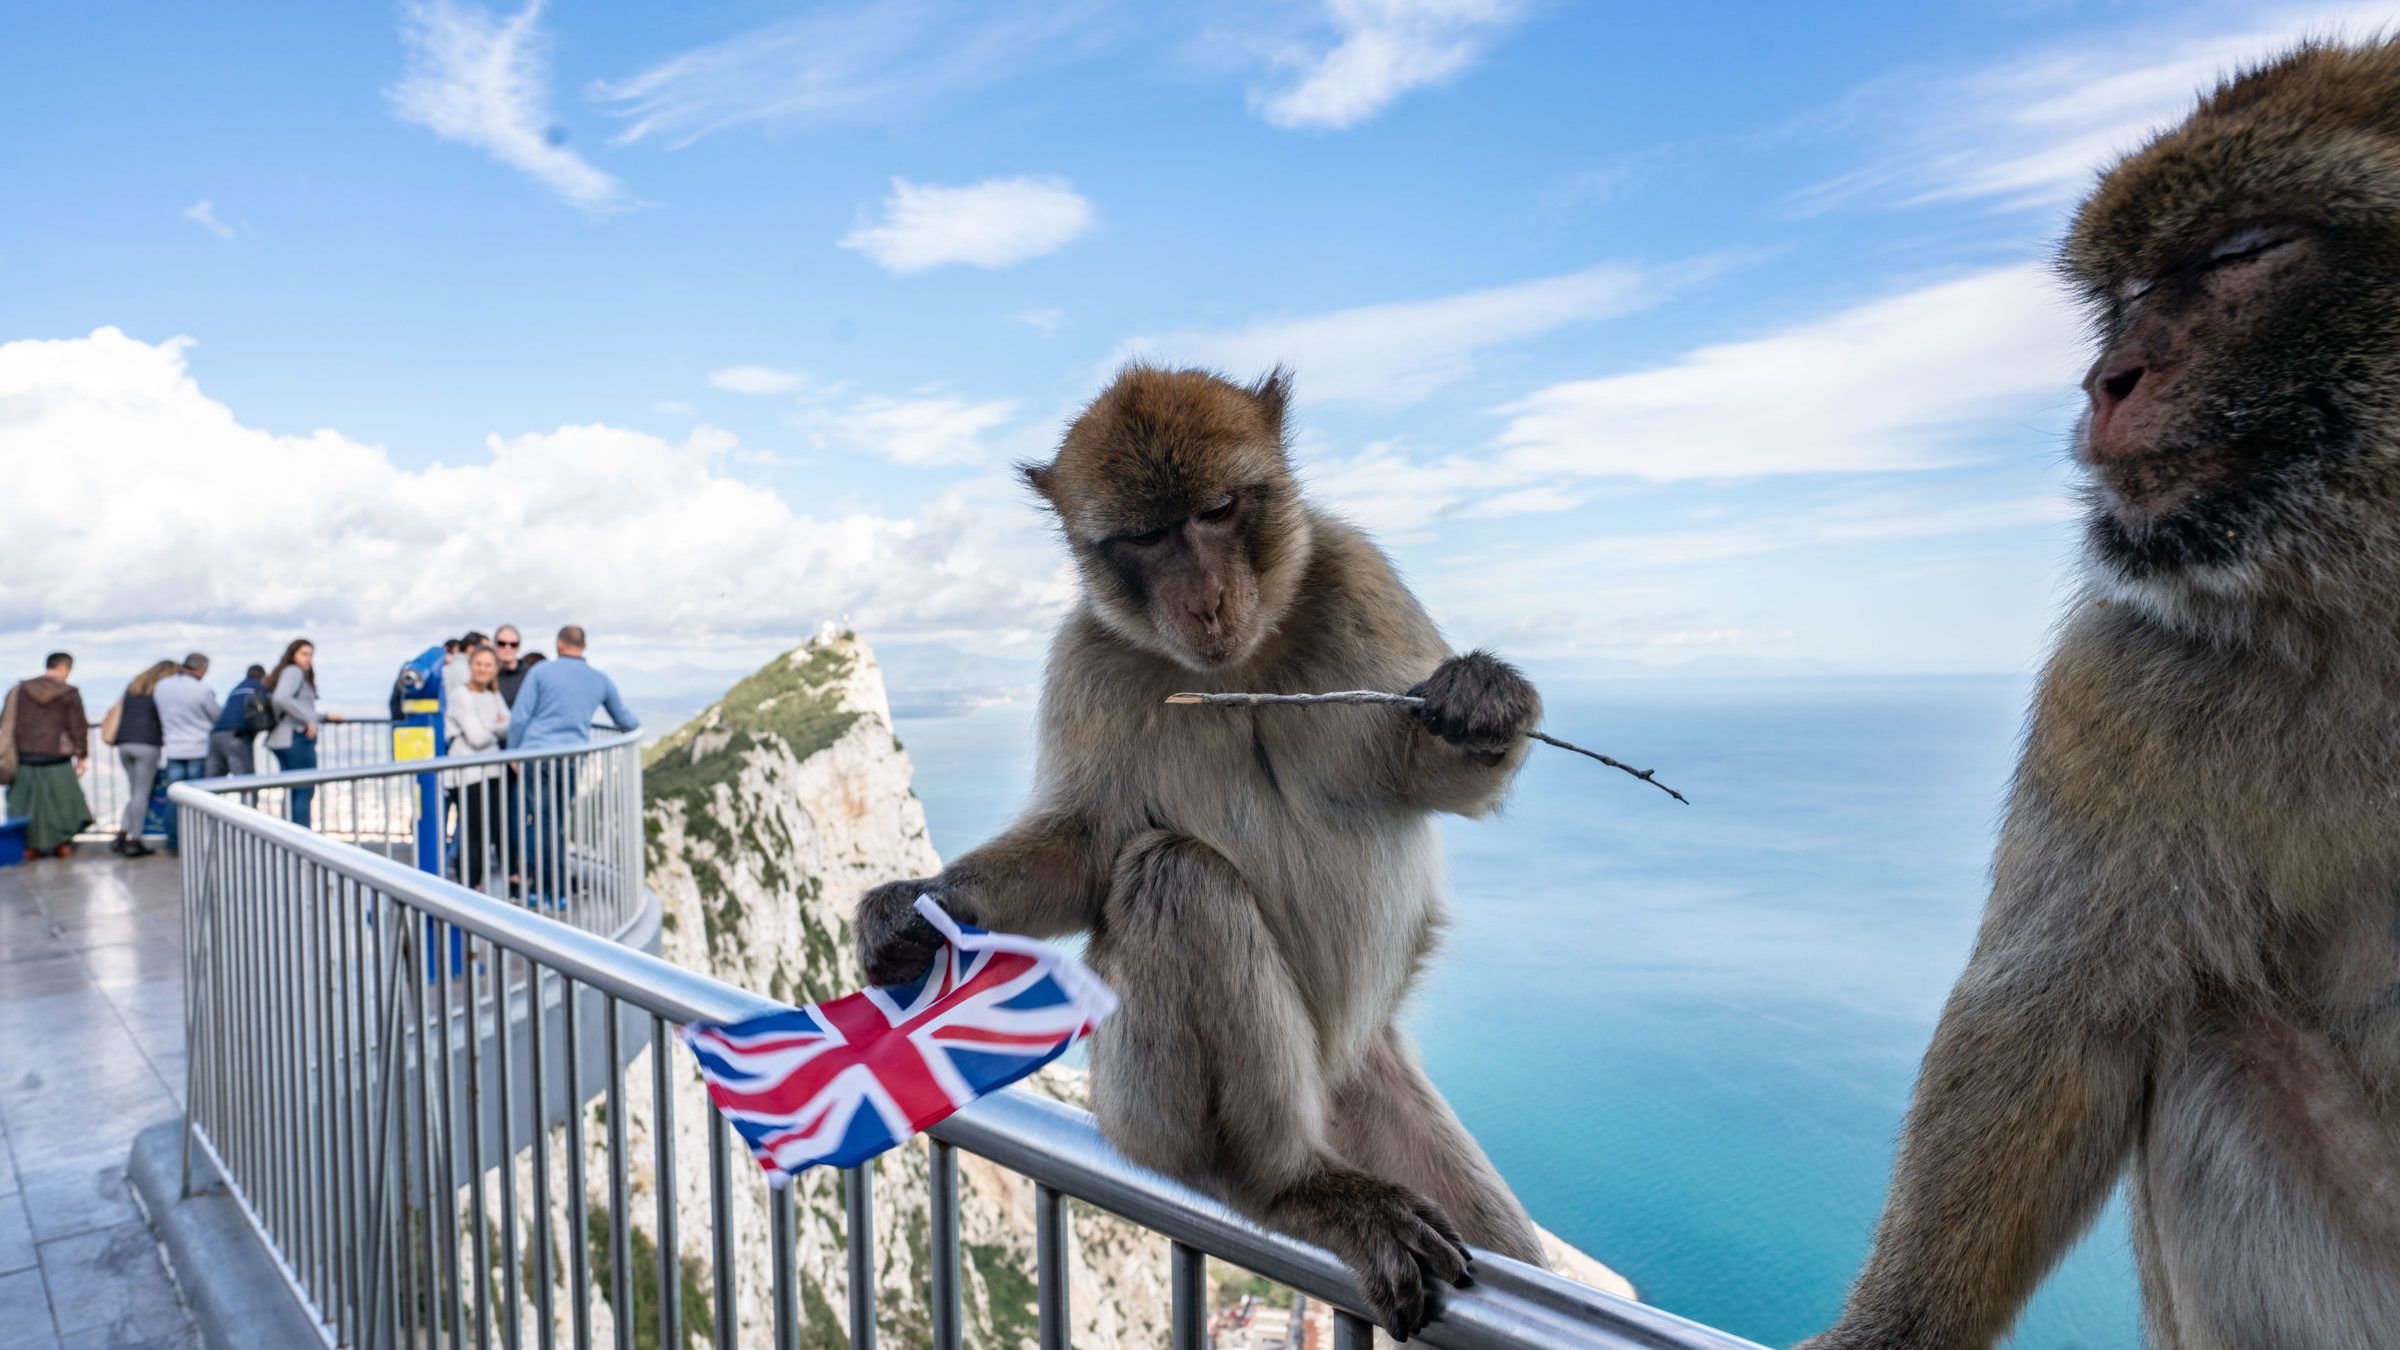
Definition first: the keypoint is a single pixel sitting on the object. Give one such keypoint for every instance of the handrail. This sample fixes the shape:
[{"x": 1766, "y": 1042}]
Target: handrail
[
  {"x": 377, "y": 1040},
  {"x": 402, "y": 768}
]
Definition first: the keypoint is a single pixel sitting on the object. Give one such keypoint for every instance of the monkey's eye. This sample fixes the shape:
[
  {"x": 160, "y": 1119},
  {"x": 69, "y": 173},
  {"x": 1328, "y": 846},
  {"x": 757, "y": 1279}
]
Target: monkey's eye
[
  {"x": 2246, "y": 243},
  {"x": 1143, "y": 538},
  {"x": 1217, "y": 510},
  {"x": 2132, "y": 289}
]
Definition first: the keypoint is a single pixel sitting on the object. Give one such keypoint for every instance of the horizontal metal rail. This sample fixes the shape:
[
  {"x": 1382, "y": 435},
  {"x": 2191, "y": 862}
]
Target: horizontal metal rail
[
  {"x": 388, "y": 1113},
  {"x": 342, "y": 744}
]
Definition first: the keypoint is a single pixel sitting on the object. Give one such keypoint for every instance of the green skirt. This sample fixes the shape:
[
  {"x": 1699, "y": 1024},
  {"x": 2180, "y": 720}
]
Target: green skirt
[{"x": 50, "y": 796}]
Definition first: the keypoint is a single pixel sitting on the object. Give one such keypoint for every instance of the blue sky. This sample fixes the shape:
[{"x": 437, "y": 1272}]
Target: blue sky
[{"x": 1703, "y": 338}]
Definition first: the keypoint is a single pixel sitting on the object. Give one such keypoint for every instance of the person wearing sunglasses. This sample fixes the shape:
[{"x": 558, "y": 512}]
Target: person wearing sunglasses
[{"x": 508, "y": 645}]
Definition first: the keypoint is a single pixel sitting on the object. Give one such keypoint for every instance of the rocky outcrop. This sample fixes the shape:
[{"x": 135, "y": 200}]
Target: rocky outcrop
[{"x": 766, "y": 816}]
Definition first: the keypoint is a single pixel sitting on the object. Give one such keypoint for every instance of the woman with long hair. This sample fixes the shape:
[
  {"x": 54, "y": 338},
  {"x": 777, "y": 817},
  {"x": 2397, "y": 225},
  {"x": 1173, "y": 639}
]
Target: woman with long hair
[
  {"x": 140, "y": 740},
  {"x": 478, "y": 719},
  {"x": 292, "y": 688}
]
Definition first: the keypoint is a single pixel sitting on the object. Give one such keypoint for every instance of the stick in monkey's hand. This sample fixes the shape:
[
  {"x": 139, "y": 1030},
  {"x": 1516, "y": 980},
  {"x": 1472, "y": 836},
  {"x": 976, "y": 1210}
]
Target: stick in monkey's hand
[{"x": 1410, "y": 701}]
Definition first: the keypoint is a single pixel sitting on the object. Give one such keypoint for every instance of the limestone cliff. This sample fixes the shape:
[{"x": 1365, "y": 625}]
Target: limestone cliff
[{"x": 766, "y": 816}]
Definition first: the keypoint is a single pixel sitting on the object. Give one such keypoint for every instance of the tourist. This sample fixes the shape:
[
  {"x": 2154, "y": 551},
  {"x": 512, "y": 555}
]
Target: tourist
[
  {"x": 554, "y": 711},
  {"x": 133, "y": 727},
  {"x": 187, "y": 712},
  {"x": 477, "y": 718},
  {"x": 293, "y": 687},
  {"x": 509, "y": 646},
  {"x": 232, "y": 741},
  {"x": 45, "y": 720}
]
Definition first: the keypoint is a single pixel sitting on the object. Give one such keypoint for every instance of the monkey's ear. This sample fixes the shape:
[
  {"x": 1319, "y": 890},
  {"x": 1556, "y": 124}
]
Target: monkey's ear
[
  {"x": 1039, "y": 477},
  {"x": 1273, "y": 394}
]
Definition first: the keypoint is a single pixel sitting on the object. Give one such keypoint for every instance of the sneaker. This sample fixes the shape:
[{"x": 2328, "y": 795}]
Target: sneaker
[
  {"x": 63, "y": 851},
  {"x": 137, "y": 849}
]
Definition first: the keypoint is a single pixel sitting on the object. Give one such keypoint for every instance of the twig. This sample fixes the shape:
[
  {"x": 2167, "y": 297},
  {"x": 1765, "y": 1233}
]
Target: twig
[{"x": 1410, "y": 701}]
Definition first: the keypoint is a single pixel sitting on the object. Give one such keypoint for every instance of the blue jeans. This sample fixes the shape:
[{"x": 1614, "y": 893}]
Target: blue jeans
[
  {"x": 181, "y": 771},
  {"x": 300, "y": 754}
]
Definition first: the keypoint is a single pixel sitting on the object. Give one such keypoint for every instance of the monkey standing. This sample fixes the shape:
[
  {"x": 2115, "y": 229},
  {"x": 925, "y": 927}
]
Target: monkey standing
[
  {"x": 1261, "y": 887},
  {"x": 2191, "y": 956}
]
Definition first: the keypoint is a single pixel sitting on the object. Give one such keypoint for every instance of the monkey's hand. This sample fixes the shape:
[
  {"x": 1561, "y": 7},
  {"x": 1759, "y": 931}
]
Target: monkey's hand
[
  {"x": 895, "y": 944},
  {"x": 1396, "y": 1241},
  {"x": 1479, "y": 703}
]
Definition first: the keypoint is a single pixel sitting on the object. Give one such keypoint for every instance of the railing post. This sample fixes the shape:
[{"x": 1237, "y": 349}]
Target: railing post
[
  {"x": 1187, "y": 1277},
  {"x": 942, "y": 1201},
  {"x": 1050, "y": 1268},
  {"x": 858, "y": 1200}
]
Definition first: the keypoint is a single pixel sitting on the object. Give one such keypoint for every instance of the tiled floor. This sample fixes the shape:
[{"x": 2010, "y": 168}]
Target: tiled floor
[{"x": 91, "y": 1053}]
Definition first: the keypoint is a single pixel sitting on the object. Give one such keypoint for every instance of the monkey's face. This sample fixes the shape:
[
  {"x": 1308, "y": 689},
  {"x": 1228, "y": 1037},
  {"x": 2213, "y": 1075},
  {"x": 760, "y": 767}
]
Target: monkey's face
[
  {"x": 2244, "y": 272},
  {"x": 1174, "y": 493}
]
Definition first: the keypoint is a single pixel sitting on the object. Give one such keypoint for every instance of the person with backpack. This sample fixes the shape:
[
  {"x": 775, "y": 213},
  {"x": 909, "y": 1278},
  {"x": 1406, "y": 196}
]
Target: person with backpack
[
  {"x": 293, "y": 687},
  {"x": 249, "y": 713}
]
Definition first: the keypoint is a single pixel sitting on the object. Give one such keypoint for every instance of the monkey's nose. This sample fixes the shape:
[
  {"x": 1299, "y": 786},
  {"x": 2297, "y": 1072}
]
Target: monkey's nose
[{"x": 2110, "y": 385}]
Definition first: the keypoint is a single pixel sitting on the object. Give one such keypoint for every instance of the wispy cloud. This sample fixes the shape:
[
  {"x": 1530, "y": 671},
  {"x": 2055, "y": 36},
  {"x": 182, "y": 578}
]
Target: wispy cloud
[
  {"x": 1398, "y": 352},
  {"x": 483, "y": 80},
  {"x": 755, "y": 380},
  {"x": 1374, "y": 51},
  {"x": 926, "y": 430},
  {"x": 849, "y": 63},
  {"x": 2032, "y": 131},
  {"x": 1902, "y": 382},
  {"x": 203, "y": 213},
  {"x": 997, "y": 223},
  {"x": 1046, "y": 320}
]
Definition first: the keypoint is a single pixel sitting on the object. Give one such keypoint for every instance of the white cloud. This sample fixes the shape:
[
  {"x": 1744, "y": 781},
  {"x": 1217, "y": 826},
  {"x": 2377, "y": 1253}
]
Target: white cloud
[
  {"x": 1046, "y": 320},
  {"x": 755, "y": 380},
  {"x": 203, "y": 213},
  {"x": 997, "y": 223},
  {"x": 648, "y": 541},
  {"x": 482, "y": 80},
  {"x": 922, "y": 431},
  {"x": 850, "y": 62},
  {"x": 2031, "y": 132},
  {"x": 1378, "y": 50},
  {"x": 674, "y": 408},
  {"x": 1397, "y": 352},
  {"x": 1897, "y": 383}
]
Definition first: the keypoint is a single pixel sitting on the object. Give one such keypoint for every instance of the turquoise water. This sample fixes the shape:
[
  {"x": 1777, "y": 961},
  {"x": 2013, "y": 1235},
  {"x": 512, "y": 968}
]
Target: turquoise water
[{"x": 1686, "y": 1034}]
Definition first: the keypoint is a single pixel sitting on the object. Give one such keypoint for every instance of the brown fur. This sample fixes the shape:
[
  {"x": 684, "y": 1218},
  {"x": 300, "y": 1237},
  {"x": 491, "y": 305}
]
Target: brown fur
[
  {"x": 2190, "y": 963},
  {"x": 1261, "y": 886}
]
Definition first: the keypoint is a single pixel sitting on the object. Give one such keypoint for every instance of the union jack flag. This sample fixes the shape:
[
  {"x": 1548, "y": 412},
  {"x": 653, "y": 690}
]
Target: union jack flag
[{"x": 841, "y": 1081}]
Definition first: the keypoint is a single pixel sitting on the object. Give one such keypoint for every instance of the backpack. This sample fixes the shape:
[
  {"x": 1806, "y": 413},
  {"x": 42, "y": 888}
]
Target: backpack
[{"x": 258, "y": 712}]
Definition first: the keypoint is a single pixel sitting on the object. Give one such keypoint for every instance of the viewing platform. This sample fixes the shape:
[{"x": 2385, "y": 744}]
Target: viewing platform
[{"x": 91, "y": 1054}]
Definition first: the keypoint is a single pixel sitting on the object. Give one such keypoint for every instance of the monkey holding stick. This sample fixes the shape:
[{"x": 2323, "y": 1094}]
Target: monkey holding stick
[
  {"x": 1262, "y": 885},
  {"x": 2190, "y": 962}
]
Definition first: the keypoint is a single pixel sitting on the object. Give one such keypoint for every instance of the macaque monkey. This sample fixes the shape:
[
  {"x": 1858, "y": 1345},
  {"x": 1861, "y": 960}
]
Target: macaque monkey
[
  {"x": 1262, "y": 886},
  {"x": 2189, "y": 968}
]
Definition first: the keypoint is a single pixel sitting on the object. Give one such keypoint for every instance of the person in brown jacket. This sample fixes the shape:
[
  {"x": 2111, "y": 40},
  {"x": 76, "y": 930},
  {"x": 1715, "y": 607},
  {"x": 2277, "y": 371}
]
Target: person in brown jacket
[{"x": 45, "y": 723}]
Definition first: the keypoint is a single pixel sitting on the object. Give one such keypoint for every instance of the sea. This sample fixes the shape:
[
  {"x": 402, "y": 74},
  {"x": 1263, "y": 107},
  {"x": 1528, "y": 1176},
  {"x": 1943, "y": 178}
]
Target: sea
[{"x": 1686, "y": 1034}]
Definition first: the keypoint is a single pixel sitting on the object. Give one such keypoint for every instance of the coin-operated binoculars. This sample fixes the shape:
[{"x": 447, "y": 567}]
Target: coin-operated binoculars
[{"x": 419, "y": 705}]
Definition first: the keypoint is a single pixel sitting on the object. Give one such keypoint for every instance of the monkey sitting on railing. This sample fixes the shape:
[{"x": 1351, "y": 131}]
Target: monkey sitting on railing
[{"x": 1262, "y": 886}]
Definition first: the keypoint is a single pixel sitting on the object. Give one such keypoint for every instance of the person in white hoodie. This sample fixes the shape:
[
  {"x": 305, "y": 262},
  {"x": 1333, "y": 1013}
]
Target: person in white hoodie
[
  {"x": 187, "y": 712},
  {"x": 477, "y": 719}
]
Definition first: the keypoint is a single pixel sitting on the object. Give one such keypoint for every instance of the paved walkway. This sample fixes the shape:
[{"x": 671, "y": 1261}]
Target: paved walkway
[{"x": 91, "y": 1052}]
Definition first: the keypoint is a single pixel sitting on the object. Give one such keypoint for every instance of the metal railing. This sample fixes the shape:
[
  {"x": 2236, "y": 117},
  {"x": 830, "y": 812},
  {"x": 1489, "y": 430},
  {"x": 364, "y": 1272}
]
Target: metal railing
[
  {"x": 341, "y": 743},
  {"x": 393, "y": 1073}
]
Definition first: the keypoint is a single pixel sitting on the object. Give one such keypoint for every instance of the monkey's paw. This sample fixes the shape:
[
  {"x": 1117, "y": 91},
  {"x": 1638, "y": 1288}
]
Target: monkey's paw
[
  {"x": 895, "y": 943},
  {"x": 1398, "y": 1243},
  {"x": 1478, "y": 702}
]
